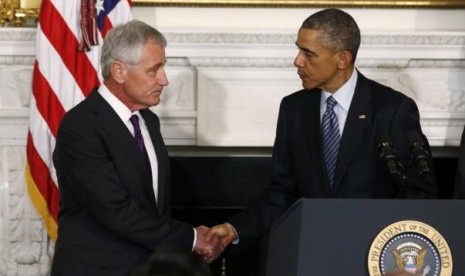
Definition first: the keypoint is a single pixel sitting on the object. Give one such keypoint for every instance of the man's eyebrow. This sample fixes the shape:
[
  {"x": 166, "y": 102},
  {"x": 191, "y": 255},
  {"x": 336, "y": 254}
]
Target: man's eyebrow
[
  {"x": 304, "y": 49},
  {"x": 162, "y": 63},
  {"x": 158, "y": 65}
]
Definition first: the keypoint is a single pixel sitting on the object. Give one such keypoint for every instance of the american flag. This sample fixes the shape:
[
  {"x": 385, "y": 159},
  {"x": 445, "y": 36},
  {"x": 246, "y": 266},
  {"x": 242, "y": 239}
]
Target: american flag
[{"x": 66, "y": 69}]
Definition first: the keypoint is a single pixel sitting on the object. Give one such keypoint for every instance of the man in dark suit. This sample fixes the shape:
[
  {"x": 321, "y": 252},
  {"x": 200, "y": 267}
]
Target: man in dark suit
[
  {"x": 113, "y": 168},
  {"x": 329, "y": 134}
]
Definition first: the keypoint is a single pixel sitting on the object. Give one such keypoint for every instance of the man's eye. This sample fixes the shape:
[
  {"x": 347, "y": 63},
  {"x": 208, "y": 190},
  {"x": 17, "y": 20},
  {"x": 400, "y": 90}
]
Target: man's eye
[
  {"x": 153, "y": 70},
  {"x": 309, "y": 54}
]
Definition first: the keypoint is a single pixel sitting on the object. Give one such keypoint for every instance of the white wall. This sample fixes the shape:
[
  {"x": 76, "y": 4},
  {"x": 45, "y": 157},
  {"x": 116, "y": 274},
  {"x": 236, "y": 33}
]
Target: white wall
[
  {"x": 229, "y": 41},
  {"x": 289, "y": 19}
]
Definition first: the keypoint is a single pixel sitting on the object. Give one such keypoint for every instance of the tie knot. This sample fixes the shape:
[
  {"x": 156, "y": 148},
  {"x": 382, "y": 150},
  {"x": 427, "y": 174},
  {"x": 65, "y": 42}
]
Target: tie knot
[
  {"x": 330, "y": 103},
  {"x": 134, "y": 120}
]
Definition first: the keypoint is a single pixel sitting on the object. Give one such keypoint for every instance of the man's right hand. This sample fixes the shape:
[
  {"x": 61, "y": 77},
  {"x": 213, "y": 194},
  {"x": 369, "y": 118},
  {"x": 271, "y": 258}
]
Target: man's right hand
[
  {"x": 225, "y": 232},
  {"x": 209, "y": 251}
]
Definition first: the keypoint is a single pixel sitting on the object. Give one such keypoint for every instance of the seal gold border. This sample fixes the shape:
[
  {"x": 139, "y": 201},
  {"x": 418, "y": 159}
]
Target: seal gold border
[{"x": 409, "y": 226}]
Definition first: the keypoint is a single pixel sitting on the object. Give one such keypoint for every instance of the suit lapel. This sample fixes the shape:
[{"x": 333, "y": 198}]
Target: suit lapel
[
  {"x": 153, "y": 127},
  {"x": 118, "y": 131},
  {"x": 360, "y": 112},
  {"x": 310, "y": 119},
  {"x": 311, "y": 127}
]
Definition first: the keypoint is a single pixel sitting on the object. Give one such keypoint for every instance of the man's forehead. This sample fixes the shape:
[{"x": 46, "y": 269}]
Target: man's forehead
[
  {"x": 305, "y": 36},
  {"x": 307, "y": 33}
]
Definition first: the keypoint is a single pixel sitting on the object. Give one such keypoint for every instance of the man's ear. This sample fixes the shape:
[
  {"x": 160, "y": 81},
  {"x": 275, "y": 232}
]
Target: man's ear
[
  {"x": 345, "y": 59},
  {"x": 119, "y": 71}
]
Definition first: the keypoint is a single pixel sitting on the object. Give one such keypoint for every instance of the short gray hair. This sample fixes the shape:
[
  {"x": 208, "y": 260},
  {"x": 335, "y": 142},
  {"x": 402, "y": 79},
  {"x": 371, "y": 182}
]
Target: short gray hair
[
  {"x": 339, "y": 31},
  {"x": 124, "y": 43}
]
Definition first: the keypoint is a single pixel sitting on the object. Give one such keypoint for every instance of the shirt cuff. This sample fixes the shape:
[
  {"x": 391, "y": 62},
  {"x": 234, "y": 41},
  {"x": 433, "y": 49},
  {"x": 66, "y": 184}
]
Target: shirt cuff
[
  {"x": 195, "y": 239},
  {"x": 236, "y": 239}
]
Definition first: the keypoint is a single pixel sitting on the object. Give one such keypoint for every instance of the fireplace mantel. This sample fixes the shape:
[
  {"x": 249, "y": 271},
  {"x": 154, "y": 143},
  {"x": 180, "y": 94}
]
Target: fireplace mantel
[{"x": 225, "y": 88}]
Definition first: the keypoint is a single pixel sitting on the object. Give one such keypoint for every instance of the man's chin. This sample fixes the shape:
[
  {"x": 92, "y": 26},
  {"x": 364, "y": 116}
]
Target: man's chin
[
  {"x": 153, "y": 102},
  {"x": 308, "y": 86},
  {"x": 156, "y": 102}
]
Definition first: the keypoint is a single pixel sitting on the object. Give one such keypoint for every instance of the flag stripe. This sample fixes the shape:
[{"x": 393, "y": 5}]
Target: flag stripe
[
  {"x": 68, "y": 8},
  {"x": 42, "y": 139},
  {"x": 56, "y": 30},
  {"x": 41, "y": 205},
  {"x": 60, "y": 79},
  {"x": 47, "y": 103},
  {"x": 106, "y": 26},
  {"x": 42, "y": 179}
]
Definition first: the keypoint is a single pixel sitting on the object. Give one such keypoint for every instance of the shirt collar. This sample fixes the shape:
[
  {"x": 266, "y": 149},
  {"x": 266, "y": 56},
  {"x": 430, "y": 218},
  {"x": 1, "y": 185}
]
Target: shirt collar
[
  {"x": 343, "y": 95},
  {"x": 121, "y": 110}
]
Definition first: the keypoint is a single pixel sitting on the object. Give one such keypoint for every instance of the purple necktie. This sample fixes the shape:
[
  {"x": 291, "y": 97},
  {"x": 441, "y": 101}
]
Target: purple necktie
[{"x": 139, "y": 139}]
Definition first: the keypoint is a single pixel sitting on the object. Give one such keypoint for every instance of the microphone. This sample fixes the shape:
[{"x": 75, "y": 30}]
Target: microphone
[
  {"x": 393, "y": 164},
  {"x": 390, "y": 157},
  {"x": 419, "y": 154}
]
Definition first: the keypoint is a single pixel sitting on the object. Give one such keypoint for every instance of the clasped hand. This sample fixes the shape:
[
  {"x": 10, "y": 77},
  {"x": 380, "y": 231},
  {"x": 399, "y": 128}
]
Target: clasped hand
[{"x": 211, "y": 242}]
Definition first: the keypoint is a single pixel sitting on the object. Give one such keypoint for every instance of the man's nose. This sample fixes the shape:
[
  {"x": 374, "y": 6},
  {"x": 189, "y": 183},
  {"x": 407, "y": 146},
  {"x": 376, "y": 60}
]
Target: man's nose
[
  {"x": 299, "y": 59},
  {"x": 163, "y": 79}
]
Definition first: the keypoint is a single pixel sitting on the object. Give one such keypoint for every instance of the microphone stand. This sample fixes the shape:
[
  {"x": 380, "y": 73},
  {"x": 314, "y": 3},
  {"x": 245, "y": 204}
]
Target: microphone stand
[
  {"x": 419, "y": 154},
  {"x": 394, "y": 166}
]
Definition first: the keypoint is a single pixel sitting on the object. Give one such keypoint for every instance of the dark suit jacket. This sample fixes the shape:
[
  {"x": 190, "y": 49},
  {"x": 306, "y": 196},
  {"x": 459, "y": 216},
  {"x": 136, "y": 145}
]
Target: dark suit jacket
[
  {"x": 459, "y": 189},
  {"x": 298, "y": 166},
  {"x": 109, "y": 221}
]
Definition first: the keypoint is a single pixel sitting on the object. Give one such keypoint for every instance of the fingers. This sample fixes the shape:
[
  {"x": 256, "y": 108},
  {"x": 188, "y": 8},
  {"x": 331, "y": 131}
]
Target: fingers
[
  {"x": 220, "y": 231},
  {"x": 209, "y": 249},
  {"x": 225, "y": 232},
  {"x": 203, "y": 248},
  {"x": 217, "y": 249},
  {"x": 211, "y": 242}
]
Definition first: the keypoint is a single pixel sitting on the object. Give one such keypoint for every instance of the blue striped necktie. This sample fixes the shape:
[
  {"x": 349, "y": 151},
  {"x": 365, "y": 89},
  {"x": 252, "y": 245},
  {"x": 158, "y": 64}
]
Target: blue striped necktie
[{"x": 331, "y": 138}]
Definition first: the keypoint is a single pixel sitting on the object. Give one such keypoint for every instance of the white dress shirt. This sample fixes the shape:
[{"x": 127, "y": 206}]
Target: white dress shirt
[{"x": 343, "y": 96}]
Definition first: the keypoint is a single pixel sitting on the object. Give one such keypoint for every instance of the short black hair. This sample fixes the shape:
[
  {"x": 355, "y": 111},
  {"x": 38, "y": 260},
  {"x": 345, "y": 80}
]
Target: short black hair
[{"x": 339, "y": 31}]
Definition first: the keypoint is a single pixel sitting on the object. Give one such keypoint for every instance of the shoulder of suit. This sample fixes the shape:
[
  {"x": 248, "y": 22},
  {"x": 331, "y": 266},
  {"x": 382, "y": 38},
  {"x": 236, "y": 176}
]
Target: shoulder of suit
[
  {"x": 150, "y": 116},
  {"x": 148, "y": 113},
  {"x": 385, "y": 92},
  {"x": 301, "y": 94},
  {"x": 90, "y": 105}
]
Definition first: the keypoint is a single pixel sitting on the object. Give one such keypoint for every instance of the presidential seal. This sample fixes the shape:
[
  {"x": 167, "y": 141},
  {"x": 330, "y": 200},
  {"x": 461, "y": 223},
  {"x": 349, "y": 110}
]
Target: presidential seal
[{"x": 411, "y": 246}]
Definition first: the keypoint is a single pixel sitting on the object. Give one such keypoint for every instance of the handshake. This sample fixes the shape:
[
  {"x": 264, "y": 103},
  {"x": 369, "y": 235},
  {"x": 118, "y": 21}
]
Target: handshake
[{"x": 211, "y": 242}]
